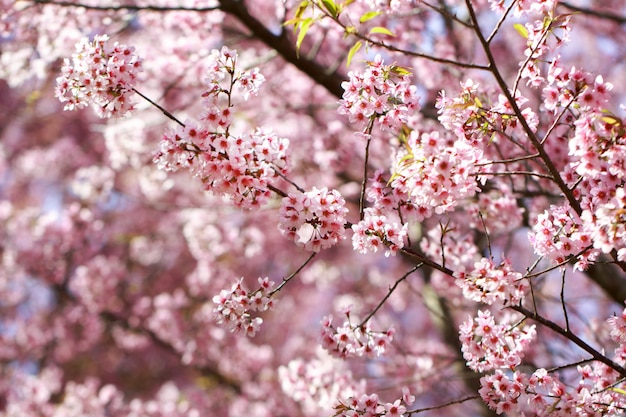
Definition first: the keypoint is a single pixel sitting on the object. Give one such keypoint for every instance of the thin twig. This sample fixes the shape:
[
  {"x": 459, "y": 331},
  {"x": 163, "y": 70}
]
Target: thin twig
[
  {"x": 391, "y": 290},
  {"x": 165, "y": 112},
  {"x": 571, "y": 337},
  {"x": 131, "y": 7},
  {"x": 563, "y": 300},
  {"x": 368, "y": 133},
  {"x": 595, "y": 13},
  {"x": 500, "y": 22},
  {"x": 438, "y": 407},
  {"x": 293, "y": 274}
]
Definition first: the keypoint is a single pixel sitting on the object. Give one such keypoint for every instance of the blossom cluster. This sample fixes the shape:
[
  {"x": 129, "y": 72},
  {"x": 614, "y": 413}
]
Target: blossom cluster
[
  {"x": 351, "y": 340},
  {"x": 376, "y": 231},
  {"x": 315, "y": 219},
  {"x": 99, "y": 74},
  {"x": 382, "y": 92},
  {"x": 471, "y": 114},
  {"x": 437, "y": 171},
  {"x": 385, "y": 199},
  {"x": 559, "y": 234},
  {"x": 488, "y": 345},
  {"x": 574, "y": 88},
  {"x": 223, "y": 67},
  {"x": 233, "y": 306},
  {"x": 544, "y": 394},
  {"x": 487, "y": 283},
  {"x": 598, "y": 147},
  {"x": 317, "y": 383},
  {"x": 523, "y": 7},
  {"x": 370, "y": 405},
  {"x": 238, "y": 166}
]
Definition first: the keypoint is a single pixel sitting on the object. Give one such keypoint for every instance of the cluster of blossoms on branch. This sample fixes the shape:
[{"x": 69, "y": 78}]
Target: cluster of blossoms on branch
[
  {"x": 239, "y": 166},
  {"x": 314, "y": 219},
  {"x": 376, "y": 231},
  {"x": 487, "y": 283},
  {"x": 435, "y": 171},
  {"x": 317, "y": 383},
  {"x": 382, "y": 93},
  {"x": 233, "y": 306},
  {"x": 370, "y": 405},
  {"x": 99, "y": 74},
  {"x": 544, "y": 394},
  {"x": 352, "y": 340},
  {"x": 488, "y": 345}
]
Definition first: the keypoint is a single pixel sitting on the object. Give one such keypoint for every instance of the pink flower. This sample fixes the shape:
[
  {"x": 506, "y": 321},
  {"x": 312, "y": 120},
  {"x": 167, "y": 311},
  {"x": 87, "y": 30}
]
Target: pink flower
[
  {"x": 315, "y": 219},
  {"x": 375, "y": 231},
  {"x": 99, "y": 74}
]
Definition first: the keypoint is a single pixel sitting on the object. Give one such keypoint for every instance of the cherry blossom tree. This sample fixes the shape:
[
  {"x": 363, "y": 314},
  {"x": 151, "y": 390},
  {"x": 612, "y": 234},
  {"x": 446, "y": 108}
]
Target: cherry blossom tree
[{"x": 313, "y": 207}]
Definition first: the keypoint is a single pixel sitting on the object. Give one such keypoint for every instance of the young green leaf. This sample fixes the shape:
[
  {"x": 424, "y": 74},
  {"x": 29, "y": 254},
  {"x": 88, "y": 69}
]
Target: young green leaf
[
  {"x": 304, "y": 28},
  {"x": 369, "y": 16},
  {"x": 381, "y": 30},
  {"x": 396, "y": 69},
  {"x": 301, "y": 8},
  {"x": 353, "y": 51},
  {"x": 331, "y": 7},
  {"x": 521, "y": 29}
]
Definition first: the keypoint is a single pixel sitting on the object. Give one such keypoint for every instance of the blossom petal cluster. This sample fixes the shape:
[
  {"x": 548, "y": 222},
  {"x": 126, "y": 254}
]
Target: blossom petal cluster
[
  {"x": 488, "y": 283},
  {"x": 543, "y": 394},
  {"x": 239, "y": 166},
  {"x": 99, "y": 74},
  {"x": 233, "y": 306},
  {"x": 314, "y": 219},
  {"x": 376, "y": 231},
  {"x": 496, "y": 212},
  {"x": 471, "y": 115},
  {"x": 371, "y": 405},
  {"x": 488, "y": 345},
  {"x": 382, "y": 92},
  {"x": 558, "y": 234},
  {"x": 350, "y": 340},
  {"x": 437, "y": 171}
]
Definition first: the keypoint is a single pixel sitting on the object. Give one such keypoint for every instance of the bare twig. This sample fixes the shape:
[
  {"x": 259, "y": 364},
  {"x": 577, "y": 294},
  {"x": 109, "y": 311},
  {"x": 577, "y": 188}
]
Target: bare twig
[{"x": 391, "y": 290}]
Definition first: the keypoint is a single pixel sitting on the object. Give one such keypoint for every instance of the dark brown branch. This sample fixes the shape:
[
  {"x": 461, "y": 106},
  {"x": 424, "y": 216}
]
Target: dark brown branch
[
  {"x": 126, "y": 7},
  {"x": 571, "y": 337},
  {"x": 595, "y": 13},
  {"x": 285, "y": 46}
]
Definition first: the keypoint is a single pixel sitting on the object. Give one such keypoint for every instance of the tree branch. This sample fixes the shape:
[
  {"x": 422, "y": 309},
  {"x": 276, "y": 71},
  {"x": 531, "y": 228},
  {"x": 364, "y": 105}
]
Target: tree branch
[
  {"x": 571, "y": 337},
  {"x": 284, "y": 45},
  {"x": 595, "y": 13}
]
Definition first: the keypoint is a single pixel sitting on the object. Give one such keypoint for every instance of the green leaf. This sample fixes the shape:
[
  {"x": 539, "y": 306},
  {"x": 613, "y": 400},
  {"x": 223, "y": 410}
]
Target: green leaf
[
  {"x": 304, "y": 28},
  {"x": 331, "y": 7},
  {"x": 381, "y": 30},
  {"x": 301, "y": 8},
  {"x": 618, "y": 390},
  {"x": 353, "y": 51},
  {"x": 396, "y": 69},
  {"x": 521, "y": 29},
  {"x": 611, "y": 120},
  {"x": 369, "y": 16}
]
